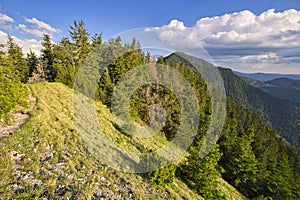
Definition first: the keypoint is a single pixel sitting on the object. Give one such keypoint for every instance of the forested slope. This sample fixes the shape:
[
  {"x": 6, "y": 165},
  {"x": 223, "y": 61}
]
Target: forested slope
[{"x": 283, "y": 115}]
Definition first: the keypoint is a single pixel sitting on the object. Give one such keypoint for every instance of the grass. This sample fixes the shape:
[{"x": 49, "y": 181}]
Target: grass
[
  {"x": 230, "y": 192},
  {"x": 47, "y": 157}
]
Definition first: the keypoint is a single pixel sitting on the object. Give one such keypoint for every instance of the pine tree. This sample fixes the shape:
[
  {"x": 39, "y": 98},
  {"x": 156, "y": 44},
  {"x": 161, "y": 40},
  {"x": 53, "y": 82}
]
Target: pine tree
[
  {"x": 64, "y": 62},
  {"x": 48, "y": 58},
  {"x": 201, "y": 174},
  {"x": 16, "y": 61},
  {"x": 97, "y": 40},
  {"x": 32, "y": 62},
  {"x": 80, "y": 37},
  {"x": 243, "y": 164},
  {"x": 13, "y": 70}
]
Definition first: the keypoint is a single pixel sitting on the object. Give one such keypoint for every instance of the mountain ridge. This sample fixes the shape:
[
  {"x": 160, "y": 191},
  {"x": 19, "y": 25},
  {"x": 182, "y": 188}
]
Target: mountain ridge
[{"x": 267, "y": 76}]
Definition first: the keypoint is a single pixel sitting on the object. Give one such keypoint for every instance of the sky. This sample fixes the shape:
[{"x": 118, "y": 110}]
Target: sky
[{"x": 245, "y": 35}]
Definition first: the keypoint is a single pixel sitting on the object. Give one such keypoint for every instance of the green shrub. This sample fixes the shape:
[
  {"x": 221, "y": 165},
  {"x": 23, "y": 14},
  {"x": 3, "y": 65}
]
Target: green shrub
[
  {"x": 162, "y": 176},
  {"x": 12, "y": 93}
]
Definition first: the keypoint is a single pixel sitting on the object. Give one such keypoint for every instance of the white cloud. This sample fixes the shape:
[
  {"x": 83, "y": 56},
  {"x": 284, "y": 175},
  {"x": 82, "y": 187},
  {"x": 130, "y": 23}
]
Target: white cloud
[
  {"x": 26, "y": 44},
  {"x": 42, "y": 25},
  {"x": 37, "y": 28},
  {"x": 29, "y": 44},
  {"x": 3, "y": 37},
  {"x": 5, "y": 21},
  {"x": 260, "y": 58},
  {"x": 263, "y": 38},
  {"x": 36, "y": 32},
  {"x": 32, "y": 26}
]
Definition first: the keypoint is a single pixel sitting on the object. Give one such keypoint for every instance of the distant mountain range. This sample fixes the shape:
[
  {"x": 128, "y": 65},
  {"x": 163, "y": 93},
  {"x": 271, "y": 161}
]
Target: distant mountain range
[
  {"x": 267, "y": 76},
  {"x": 283, "y": 88}
]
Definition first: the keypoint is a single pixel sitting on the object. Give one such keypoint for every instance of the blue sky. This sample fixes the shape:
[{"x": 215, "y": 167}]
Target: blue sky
[{"x": 113, "y": 17}]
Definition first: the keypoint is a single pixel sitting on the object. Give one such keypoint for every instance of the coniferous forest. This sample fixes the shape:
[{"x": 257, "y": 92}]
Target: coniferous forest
[{"x": 257, "y": 153}]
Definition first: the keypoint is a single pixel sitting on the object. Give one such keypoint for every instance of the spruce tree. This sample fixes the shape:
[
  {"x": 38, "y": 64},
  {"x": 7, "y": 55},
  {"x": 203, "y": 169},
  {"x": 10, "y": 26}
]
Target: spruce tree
[
  {"x": 16, "y": 61},
  {"x": 48, "y": 58},
  {"x": 80, "y": 36},
  {"x": 32, "y": 62}
]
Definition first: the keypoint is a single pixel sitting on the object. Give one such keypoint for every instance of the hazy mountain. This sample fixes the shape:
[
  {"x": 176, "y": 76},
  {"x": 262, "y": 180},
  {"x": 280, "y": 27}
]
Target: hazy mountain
[
  {"x": 267, "y": 76},
  {"x": 285, "y": 82},
  {"x": 283, "y": 88}
]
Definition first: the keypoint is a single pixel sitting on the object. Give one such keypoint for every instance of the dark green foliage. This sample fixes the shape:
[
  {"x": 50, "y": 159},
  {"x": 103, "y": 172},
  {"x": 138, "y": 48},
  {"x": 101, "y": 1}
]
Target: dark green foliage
[
  {"x": 48, "y": 58},
  {"x": 80, "y": 37},
  {"x": 12, "y": 93},
  {"x": 255, "y": 159},
  {"x": 163, "y": 175},
  {"x": 13, "y": 70},
  {"x": 64, "y": 63},
  {"x": 201, "y": 174},
  {"x": 63, "y": 60},
  {"x": 284, "y": 115},
  {"x": 97, "y": 40},
  {"x": 148, "y": 57},
  {"x": 16, "y": 61},
  {"x": 117, "y": 64},
  {"x": 32, "y": 62},
  {"x": 239, "y": 160}
]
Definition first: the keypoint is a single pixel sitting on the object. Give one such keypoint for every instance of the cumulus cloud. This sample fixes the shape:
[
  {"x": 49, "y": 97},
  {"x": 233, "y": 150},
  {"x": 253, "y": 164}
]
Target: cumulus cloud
[
  {"x": 29, "y": 44},
  {"x": 240, "y": 38},
  {"x": 37, "y": 28},
  {"x": 5, "y": 21},
  {"x": 26, "y": 44},
  {"x": 3, "y": 37},
  {"x": 32, "y": 26}
]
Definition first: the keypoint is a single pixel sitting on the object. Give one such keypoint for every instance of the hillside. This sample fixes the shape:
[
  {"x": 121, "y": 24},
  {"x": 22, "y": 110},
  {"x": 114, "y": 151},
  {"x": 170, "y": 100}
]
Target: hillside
[
  {"x": 47, "y": 159},
  {"x": 284, "y": 115},
  {"x": 282, "y": 88},
  {"x": 285, "y": 82}
]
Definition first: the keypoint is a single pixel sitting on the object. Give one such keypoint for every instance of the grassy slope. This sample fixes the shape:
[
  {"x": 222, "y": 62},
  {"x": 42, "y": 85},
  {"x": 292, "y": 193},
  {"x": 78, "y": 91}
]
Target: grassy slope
[{"x": 46, "y": 158}]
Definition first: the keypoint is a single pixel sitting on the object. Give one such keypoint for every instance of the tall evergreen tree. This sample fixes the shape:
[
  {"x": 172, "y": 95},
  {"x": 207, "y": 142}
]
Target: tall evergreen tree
[
  {"x": 13, "y": 70},
  {"x": 64, "y": 62},
  {"x": 80, "y": 36},
  {"x": 16, "y": 61},
  {"x": 32, "y": 62},
  {"x": 48, "y": 58},
  {"x": 201, "y": 174}
]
